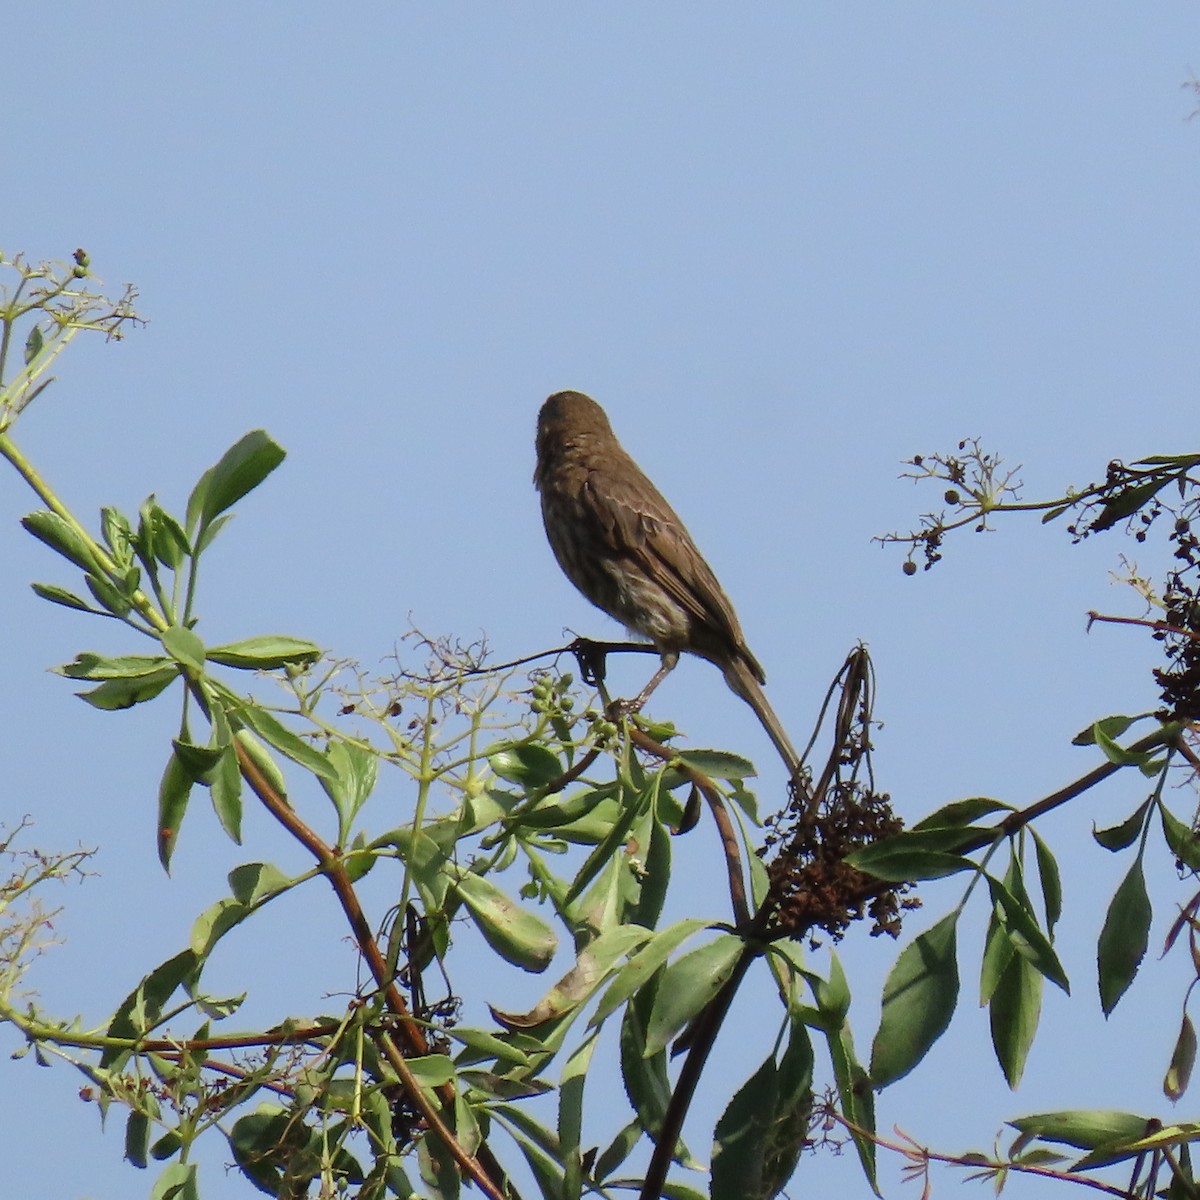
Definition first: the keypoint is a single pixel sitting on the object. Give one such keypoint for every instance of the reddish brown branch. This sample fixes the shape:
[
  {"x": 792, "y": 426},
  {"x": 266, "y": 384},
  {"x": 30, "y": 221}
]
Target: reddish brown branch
[{"x": 491, "y": 1179}]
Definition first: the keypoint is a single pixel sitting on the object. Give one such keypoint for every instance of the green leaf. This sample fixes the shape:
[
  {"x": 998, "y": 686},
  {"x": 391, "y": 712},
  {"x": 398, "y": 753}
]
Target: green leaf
[
  {"x": 528, "y": 764},
  {"x": 209, "y": 534},
  {"x": 718, "y": 764},
  {"x": 173, "y": 793},
  {"x": 241, "y": 469},
  {"x": 1124, "y": 937},
  {"x": 160, "y": 537},
  {"x": 644, "y": 1075},
  {"x": 516, "y": 934},
  {"x": 355, "y": 770},
  {"x": 1086, "y": 1129},
  {"x": 177, "y": 1182},
  {"x": 1127, "y": 501},
  {"x": 115, "y": 527},
  {"x": 33, "y": 344},
  {"x": 432, "y": 1070},
  {"x": 1016, "y": 1007},
  {"x": 1118, "y": 837},
  {"x": 856, "y": 1095},
  {"x": 198, "y": 760},
  {"x": 1183, "y": 1059},
  {"x": 617, "y": 1151},
  {"x": 482, "y": 1045},
  {"x": 741, "y": 1135},
  {"x": 638, "y": 971},
  {"x": 184, "y": 646},
  {"x": 592, "y": 966},
  {"x": 275, "y": 733},
  {"x": 1051, "y": 882},
  {"x": 60, "y": 535},
  {"x": 899, "y": 863},
  {"x": 116, "y": 694},
  {"x": 96, "y": 666},
  {"x": 1181, "y": 838},
  {"x": 260, "y": 756},
  {"x": 1108, "y": 727},
  {"x": 758, "y": 1139},
  {"x": 224, "y": 784},
  {"x": 1026, "y": 935},
  {"x": 1116, "y": 753},
  {"x": 961, "y": 812},
  {"x": 919, "y": 998},
  {"x": 137, "y": 1138},
  {"x": 255, "y": 1141},
  {"x": 251, "y": 883},
  {"x": 107, "y": 594},
  {"x": 141, "y": 1010},
  {"x": 58, "y": 595},
  {"x": 265, "y": 653},
  {"x": 688, "y": 985}
]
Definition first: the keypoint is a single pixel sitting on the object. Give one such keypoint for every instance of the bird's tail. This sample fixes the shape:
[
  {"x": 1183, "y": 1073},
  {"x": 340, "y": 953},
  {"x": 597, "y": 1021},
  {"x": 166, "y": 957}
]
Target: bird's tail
[{"x": 743, "y": 683}]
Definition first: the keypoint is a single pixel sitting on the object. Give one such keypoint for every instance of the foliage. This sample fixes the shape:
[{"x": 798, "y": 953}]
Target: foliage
[{"x": 549, "y": 825}]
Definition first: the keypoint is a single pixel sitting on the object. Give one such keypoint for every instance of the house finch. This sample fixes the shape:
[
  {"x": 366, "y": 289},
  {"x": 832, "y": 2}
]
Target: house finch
[{"x": 621, "y": 544}]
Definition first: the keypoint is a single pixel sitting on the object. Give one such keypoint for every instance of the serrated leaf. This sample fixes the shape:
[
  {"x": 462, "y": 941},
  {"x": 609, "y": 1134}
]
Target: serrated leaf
[
  {"x": 241, "y": 469},
  {"x": 718, "y": 764},
  {"x": 1027, "y": 937},
  {"x": 1014, "y": 1013},
  {"x": 758, "y": 1139},
  {"x": 1124, "y": 937},
  {"x": 856, "y": 1095},
  {"x": 740, "y": 1136},
  {"x": 645, "y": 1077},
  {"x": 919, "y": 999},
  {"x": 355, "y": 770},
  {"x": 688, "y": 985},
  {"x": 636, "y": 973}
]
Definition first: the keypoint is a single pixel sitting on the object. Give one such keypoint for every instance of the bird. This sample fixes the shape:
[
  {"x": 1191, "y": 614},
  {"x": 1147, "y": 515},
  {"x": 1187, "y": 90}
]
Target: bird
[{"x": 624, "y": 547}]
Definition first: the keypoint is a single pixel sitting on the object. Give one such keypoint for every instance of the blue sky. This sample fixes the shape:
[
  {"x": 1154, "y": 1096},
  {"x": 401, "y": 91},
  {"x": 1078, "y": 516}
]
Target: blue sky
[{"x": 786, "y": 245}]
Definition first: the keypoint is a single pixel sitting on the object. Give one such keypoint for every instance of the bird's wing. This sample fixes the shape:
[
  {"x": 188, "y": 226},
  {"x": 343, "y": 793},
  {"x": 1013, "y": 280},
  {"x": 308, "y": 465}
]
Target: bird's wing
[{"x": 645, "y": 528}]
